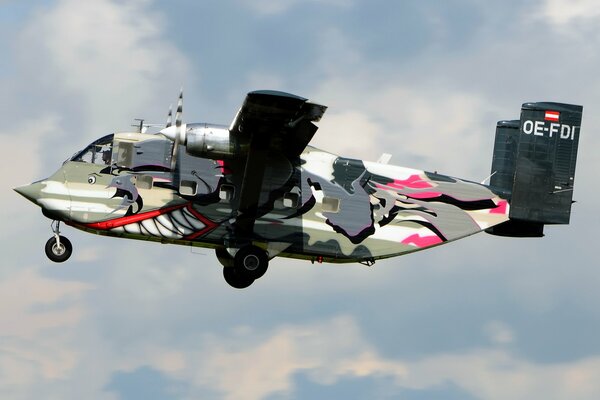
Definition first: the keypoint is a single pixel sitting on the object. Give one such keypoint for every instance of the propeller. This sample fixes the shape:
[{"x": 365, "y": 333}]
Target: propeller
[{"x": 175, "y": 133}]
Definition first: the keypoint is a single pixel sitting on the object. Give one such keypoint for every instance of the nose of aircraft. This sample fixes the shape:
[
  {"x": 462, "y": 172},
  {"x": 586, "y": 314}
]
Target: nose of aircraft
[{"x": 31, "y": 192}]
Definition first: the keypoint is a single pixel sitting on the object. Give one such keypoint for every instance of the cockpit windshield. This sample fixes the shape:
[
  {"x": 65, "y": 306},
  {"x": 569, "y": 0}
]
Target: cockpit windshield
[{"x": 99, "y": 152}]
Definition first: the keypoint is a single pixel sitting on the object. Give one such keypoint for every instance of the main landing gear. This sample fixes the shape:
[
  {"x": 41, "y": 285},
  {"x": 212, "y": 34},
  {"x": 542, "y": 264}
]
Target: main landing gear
[
  {"x": 249, "y": 264},
  {"x": 58, "y": 248}
]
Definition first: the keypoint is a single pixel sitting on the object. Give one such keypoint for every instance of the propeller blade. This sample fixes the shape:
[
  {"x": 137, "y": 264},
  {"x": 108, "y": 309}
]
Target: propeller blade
[
  {"x": 179, "y": 111},
  {"x": 179, "y": 130},
  {"x": 169, "y": 117}
]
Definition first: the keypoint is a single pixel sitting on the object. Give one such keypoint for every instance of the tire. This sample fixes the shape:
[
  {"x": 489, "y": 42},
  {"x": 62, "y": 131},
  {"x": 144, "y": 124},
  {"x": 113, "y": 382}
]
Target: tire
[
  {"x": 56, "y": 253},
  {"x": 223, "y": 256},
  {"x": 235, "y": 279},
  {"x": 251, "y": 261}
]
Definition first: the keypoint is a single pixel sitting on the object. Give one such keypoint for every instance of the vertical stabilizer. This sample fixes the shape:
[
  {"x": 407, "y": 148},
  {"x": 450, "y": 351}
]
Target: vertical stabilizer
[
  {"x": 545, "y": 167},
  {"x": 534, "y": 166}
]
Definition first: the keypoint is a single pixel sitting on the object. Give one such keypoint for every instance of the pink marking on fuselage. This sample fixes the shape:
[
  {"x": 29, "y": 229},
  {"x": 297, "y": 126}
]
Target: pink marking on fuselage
[
  {"x": 424, "y": 195},
  {"x": 501, "y": 208},
  {"x": 224, "y": 168},
  {"x": 421, "y": 241},
  {"x": 412, "y": 182}
]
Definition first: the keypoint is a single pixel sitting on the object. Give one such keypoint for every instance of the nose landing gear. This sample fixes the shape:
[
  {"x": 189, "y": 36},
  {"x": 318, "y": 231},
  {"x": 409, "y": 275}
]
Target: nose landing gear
[{"x": 58, "y": 248}]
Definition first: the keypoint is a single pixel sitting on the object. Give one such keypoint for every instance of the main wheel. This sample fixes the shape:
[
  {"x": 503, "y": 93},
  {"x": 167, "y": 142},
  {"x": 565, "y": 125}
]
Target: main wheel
[
  {"x": 58, "y": 252},
  {"x": 235, "y": 279},
  {"x": 251, "y": 261},
  {"x": 223, "y": 256}
]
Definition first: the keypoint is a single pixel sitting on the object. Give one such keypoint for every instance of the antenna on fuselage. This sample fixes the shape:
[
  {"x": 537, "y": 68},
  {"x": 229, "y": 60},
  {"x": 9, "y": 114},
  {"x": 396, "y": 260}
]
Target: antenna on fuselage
[{"x": 141, "y": 127}]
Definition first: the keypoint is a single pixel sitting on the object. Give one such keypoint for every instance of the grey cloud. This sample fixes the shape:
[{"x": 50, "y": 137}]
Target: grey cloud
[{"x": 147, "y": 383}]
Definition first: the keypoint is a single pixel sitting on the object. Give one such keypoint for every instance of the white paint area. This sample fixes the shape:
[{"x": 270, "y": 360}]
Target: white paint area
[
  {"x": 195, "y": 222},
  {"x": 391, "y": 171},
  {"x": 98, "y": 208},
  {"x": 150, "y": 226},
  {"x": 60, "y": 189},
  {"x": 319, "y": 163}
]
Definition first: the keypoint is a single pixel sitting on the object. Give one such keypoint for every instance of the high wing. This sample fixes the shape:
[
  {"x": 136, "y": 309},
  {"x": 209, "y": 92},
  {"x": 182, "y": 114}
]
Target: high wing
[
  {"x": 269, "y": 121},
  {"x": 283, "y": 121}
]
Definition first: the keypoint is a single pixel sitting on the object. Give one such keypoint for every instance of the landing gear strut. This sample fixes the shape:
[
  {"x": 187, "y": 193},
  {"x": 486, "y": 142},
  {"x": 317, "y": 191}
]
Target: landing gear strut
[
  {"x": 58, "y": 248},
  {"x": 249, "y": 264}
]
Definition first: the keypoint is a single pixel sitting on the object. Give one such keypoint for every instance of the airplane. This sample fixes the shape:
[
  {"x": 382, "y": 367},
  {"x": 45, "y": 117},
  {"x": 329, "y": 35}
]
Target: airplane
[{"x": 256, "y": 189}]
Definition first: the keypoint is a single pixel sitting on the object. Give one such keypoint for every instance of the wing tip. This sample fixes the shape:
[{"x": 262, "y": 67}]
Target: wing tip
[{"x": 277, "y": 93}]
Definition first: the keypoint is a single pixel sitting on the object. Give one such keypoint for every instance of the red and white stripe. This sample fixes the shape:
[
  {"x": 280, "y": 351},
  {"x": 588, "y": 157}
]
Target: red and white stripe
[
  {"x": 552, "y": 116},
  {"x": 182, "y": 221}
]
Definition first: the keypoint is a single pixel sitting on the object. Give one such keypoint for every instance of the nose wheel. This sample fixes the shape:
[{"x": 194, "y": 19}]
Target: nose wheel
[{"x": 58, "y": 248}]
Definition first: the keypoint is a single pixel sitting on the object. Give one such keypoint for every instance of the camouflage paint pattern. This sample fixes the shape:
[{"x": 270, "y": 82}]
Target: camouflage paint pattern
[{"x": 319, "y": 206}]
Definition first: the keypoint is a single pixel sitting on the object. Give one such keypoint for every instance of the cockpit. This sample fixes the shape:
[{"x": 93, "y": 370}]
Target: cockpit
[{"x": 98, "y": 152}]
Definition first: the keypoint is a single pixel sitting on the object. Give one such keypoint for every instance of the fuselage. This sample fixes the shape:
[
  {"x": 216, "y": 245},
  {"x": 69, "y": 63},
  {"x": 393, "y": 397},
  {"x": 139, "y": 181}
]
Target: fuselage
[{"x": 319, "y": 206}]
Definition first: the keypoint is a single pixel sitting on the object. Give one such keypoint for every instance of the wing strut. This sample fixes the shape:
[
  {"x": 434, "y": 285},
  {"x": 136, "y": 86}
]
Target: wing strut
[{"x": 251, "y": 187}]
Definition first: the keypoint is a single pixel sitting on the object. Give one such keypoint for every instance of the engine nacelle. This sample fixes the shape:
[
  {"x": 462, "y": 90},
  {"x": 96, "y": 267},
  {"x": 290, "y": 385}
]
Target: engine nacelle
[{"x": 210, "y": 141}]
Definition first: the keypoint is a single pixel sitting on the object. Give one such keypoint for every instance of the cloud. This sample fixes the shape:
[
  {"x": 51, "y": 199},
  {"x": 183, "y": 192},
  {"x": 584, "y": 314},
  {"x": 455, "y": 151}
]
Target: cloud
[
  {"x": 28, "y": 289},
  {"x": 24, "y": 143},
  {"x": 110, "y": 55},
  {"x": 39, "y": 316},
  {"x": 255, "y": 366},
  {"x": 421, "y": 126},
  {"x": 145, "y": 383},
  {"x": 499, "y": 332},
  {"x": 268, "y": 366},
  {"x": 275, "y": 7},
  {"x": 563, "y": 13},
  {"x": 495, "y": 374},
  {"x": 349, "y": 133}
]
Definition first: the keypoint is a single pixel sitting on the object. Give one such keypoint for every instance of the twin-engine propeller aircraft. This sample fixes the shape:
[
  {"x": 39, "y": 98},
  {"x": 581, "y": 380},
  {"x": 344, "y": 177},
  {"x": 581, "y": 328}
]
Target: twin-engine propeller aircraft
[{"x": 256, "y": 189}]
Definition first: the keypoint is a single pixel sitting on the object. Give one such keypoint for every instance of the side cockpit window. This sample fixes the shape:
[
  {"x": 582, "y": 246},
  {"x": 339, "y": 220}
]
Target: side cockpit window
[{"x": 99, "y": 152}]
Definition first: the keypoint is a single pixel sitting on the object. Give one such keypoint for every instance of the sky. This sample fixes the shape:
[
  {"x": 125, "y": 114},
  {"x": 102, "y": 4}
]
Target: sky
[{"x": 482, "y": 318}]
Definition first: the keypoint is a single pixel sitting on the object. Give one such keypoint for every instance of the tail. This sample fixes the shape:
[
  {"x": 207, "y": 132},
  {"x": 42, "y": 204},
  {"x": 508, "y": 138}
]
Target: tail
[{"x": 534, "y": 167}]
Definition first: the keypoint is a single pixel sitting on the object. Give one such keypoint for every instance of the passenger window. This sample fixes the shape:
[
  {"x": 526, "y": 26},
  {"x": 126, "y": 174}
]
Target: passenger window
[
  {"x": 291, "y": 200},
  {"x": 125, "y": 154},
  {"x": 144, "y": 182},
  {"x": 226, "y": 192},
  {"x": 188, "y": 188},
  {"x": 330, "y": 204}
]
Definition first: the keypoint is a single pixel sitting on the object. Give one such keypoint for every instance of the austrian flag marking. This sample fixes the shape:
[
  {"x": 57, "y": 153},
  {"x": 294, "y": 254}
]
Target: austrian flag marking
[{"x": 552, "y": 116}]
